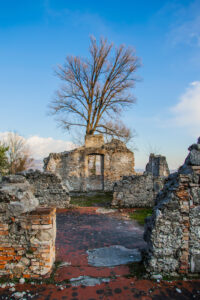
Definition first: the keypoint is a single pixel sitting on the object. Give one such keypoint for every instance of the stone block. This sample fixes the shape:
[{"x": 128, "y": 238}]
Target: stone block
[{"x": 195, "y": 263}]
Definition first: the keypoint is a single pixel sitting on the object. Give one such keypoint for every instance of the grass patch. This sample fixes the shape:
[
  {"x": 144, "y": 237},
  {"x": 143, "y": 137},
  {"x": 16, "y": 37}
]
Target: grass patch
[
  {"x": 88, "y": 200},
  {"x": 140, "y": 215}
]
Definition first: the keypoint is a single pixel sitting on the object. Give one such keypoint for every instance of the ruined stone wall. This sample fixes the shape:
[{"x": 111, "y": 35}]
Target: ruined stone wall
[
  {"x": 157, "y": 165},
  {"x": 173, "y": 231},
  {"x": 48, "y": 188},
  {"x": 70, "y": 166},
  {"x": 118, "y": 162},
  {"x": 137, "y": 191},
  {"x": 94, "y": 141},
  {"x": 74, "y": 166},
  {"x": 141, "y": 190},
  {"x": 27, "y": 232}
]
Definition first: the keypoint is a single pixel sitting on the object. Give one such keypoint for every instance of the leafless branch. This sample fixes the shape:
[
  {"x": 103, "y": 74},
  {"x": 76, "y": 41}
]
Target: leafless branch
[{"x": 96, "y": 89}]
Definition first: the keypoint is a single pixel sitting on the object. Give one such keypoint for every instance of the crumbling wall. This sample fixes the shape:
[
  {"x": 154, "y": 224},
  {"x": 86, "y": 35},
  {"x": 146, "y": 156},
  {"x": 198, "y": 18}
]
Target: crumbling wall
[
  {"x": 48, "y": 188},
  {"x": 94, "y": 141},
  {"x": 157, "y": 165},
  {"x": 173, "y": 231},
  {"x": 136, "y": 191},
  {"x": 73, "y": 166},
  {"x": 27, "y": 232},
  {"x": 141, "y": 190}
]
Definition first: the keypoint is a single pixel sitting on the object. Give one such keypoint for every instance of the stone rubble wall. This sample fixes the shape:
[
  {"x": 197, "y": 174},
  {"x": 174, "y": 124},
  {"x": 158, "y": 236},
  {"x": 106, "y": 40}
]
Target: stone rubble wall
[
  {"x": 137, "y": 191},
  {"x": 48, "y": 188},
  {"x": 94, "y": 141},
  {"x": 173, "y": 231},
  {"x": 141, "y": 190},
  {"x": 27, "y": 232},
  {"x": 157, "y": 165},
  {"x": 72, "y": 166}
]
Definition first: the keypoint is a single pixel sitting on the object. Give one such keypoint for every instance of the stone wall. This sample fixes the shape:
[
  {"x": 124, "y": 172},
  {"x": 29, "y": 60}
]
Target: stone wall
[
  {"x": 157, "y": 165},
  {"x": 173, "y": 231},
  {"x": 48, "y": 188},
  {"x": 141, "y": 190},
  {"x": 94, "y": 141},
  {"x": 92, "y": 167},
  {"x": 137, "y": 191},
  {"x": 27, "y": 232}
]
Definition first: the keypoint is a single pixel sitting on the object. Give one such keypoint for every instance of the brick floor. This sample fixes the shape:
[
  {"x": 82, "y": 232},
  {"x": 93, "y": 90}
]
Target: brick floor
[{"x": 82, "y": 229}]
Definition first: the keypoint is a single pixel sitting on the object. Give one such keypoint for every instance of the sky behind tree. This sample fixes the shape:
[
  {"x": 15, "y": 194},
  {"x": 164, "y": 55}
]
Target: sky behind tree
[{"x": 37, "y": 35}]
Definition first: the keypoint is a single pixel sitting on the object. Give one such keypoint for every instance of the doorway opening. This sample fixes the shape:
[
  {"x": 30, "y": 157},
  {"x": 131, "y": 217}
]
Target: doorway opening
[{"x": 95, "y": 178}]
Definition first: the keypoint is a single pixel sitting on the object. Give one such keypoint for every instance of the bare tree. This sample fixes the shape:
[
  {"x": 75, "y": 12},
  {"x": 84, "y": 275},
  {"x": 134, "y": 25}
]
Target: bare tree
[
  {"x": 18, "y": 153},
  {"x": 96, "y": 90}
]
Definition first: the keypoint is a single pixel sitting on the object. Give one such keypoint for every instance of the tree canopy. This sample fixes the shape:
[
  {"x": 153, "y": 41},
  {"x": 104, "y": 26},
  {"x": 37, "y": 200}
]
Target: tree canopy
[
  {"x": 3, "y": 159},
  {"x": 15, "y": 154},
  {"x": 96, "y": 90}
]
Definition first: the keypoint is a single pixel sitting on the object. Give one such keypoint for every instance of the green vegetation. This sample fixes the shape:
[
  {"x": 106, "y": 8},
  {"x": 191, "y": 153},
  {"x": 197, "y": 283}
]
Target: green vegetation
[
  {"x": 93, "y": 199},
  {"x": 140, "y": 215},
  {"x": 3, "y": 159}
]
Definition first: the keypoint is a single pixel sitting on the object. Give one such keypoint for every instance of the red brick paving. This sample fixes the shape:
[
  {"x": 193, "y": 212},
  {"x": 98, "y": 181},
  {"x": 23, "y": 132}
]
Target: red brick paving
[{"x": 82, "y": 229}]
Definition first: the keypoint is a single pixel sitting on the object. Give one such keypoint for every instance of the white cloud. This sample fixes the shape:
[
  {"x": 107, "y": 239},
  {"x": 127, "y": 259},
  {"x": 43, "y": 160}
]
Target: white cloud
[
  {"x": 187, "y": 110},
  {"x": 41, "y": 147}
]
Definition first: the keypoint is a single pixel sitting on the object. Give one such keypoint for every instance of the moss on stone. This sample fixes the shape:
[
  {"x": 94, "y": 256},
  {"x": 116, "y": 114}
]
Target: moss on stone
[{"x": 140, "y": 215}]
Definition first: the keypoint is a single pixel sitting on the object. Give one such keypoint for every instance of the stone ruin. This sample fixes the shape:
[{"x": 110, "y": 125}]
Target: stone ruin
[
  {"x": 96, "y": 166},
  {"x": 28, "y": 201},
  {"x": 173, "y": 231},
  {"x": 47, "y": 188},
  {"x": 27, "y": 231},
  {"x": 141, "y": 190},
  {"x": 157, "y": 166}
]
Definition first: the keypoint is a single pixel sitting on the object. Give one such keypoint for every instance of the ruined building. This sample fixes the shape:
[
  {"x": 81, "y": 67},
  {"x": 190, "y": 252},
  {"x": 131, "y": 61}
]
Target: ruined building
[
  {"x": 173, "y": 231},
  {"x": 47, "y": 188},
  {"x": 27, "y": 231},
  {"x": 141, "y": 190},
  {"x": 157, "y": 166},
  {"x": 96, "y": 166}
]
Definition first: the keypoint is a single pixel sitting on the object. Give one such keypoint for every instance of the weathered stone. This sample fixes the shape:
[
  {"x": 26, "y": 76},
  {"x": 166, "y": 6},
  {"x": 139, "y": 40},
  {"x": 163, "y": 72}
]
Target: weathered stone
[
  {"x": 18, "y": 210},
  {"x": 157, "y": 165},
  {"x": 173, "y": 231},
  {"x": 193, "y": 158},
  {"x": 47, "y": 188},
  {"x": 112, "y": 256},
  {"x": 25, "y": 261},
  {"x": 17, "y": 193},
  {"x": 94, "y": 141},
  {"x": 18, "y": 270},
  {"x": 13, "y": 179},
  {"x": 45, "y": 235},
  {"x": 95, "y": 166},
  {"x": 141, "y": 190}
]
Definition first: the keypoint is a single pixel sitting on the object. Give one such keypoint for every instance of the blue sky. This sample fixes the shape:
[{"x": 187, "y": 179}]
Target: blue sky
[{"x": 37, "y": 35}]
